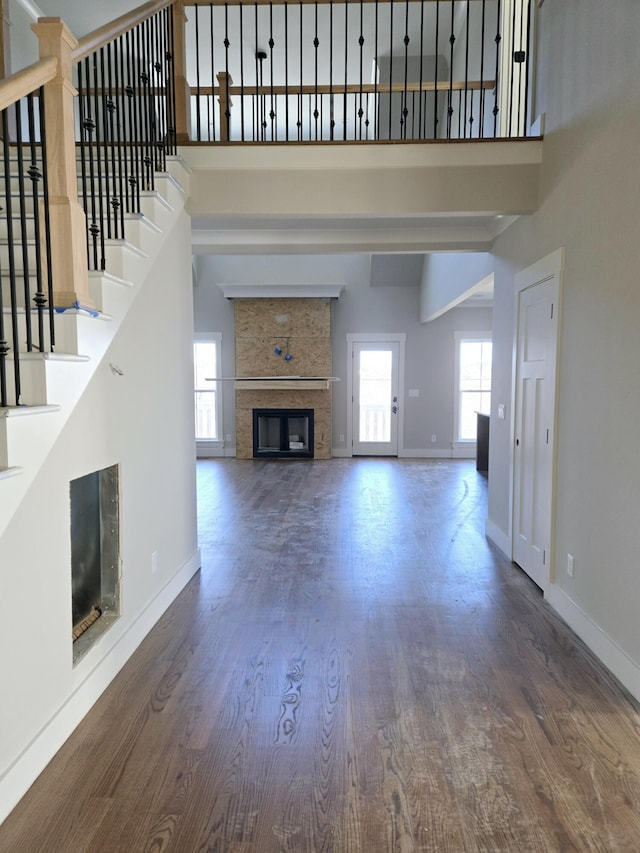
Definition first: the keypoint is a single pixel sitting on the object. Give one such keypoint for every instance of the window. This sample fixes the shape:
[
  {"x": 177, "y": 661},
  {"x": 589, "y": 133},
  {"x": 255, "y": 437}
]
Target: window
[
  {"x": 206, "y": 366},
  {"x": 473, "y": 381}
]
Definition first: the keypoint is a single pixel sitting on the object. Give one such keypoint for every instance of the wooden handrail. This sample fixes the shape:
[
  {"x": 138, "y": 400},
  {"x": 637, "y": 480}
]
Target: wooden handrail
[
  {"x": 107, "y": 33},
  {"x": 25, "y": 82},
  {"x": 350, "y": 89},
  {"x": 252, "y": 3}
]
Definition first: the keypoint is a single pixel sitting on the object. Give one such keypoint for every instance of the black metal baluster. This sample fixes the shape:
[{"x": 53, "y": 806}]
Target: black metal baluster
[
  {"x": 459, "y": 113},
  {"x": 257, "y": 123},
  {"x": 452, "y": 41},
  {"x": 148, "y": 110},
  {"x": 512, "y": 74},
  {"x": 367, "y": 121},
  {"x": 13, "y": 301},
  {"x": 496, "y": 108},
  {"x": 139, "y": 107},
  {"x": 361, "y": 43},
  {"x": 159, "y": 98},
  {"x": 83, "y": 167},
  {"x": 213, "y": 73},
  {"x": 421, "y": 96},
  {"x": 435, "y": 76},
  {"x": 35, "y": 175},
  {"x": 23, "y": 217},
  {"x": 173, "y": 134},
  {"x": 526, "y": 83},
  {"x": 375, "y": 82},
  {"x": 481, "y": 110},
  {"x": 123, "y": 136},
  {"x": 405, "y": 110},
  {"x": 346, "y": 60},
  {"x": 4, "y": 349},
  {"x": 286, "y": 71},
  {"x": 163, "y": 95},
  {"x": 102, "y": 189},
  {"x": 316, "y": 44},
  {"x": 332, "y": 120},
  {"x": 116, "y": 195},
  {"x": 47, "y": 222},
  {"x": 197, "y": 33},
  {"x": 466, "y": 71},
  {"x": 103, "y": 125},
  {"x": 390, "y": 64},
  {"x": 241, "y": 74},
  {"x": 134, "y": 176},
  {"x": 413, "y": 115},
  {"x": 89, "y": 127},
  {"x": 272, "y": 112},
  {"x": 227, "y": 44},
  {"x": 300, "y": 102},
  {"x": 151, "y": 113}
]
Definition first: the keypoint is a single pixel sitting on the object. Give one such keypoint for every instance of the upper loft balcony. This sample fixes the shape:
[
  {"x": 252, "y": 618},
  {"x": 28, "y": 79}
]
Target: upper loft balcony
[
  {"x": 307, "y": 118},
  {"x": 357, "y": 71}
]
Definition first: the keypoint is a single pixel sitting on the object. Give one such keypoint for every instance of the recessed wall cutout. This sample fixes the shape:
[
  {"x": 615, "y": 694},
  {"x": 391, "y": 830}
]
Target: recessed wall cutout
[{"x": 95, "y": 560}]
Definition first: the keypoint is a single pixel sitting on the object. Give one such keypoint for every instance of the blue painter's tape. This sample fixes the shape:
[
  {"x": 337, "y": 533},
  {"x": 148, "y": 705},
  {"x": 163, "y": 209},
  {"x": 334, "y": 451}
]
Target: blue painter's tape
[{"x": 77, "y": 306}]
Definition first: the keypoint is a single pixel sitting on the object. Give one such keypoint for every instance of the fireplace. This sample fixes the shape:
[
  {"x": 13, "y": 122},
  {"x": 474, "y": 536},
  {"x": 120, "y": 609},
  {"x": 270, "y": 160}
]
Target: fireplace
[{"x": 283, "y": 433}]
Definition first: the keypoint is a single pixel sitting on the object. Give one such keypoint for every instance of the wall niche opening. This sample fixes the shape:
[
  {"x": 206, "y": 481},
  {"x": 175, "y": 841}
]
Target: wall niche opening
[{"x": 95, "y": 556}]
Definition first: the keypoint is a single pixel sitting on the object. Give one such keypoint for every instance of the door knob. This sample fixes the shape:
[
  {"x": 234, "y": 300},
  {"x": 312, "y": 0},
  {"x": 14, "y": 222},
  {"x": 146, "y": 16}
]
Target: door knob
[{"x": 394, "y": 409}]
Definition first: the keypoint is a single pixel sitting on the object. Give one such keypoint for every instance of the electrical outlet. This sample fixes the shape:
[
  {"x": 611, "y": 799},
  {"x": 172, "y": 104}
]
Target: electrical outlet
[
  {"x": 570, "y": 565},
  {"x": 154, "y": 562},
  {"x": 228, "y": 436},
  {"x": 341, "y": 439},
  {"x": 433, "y": 439}
]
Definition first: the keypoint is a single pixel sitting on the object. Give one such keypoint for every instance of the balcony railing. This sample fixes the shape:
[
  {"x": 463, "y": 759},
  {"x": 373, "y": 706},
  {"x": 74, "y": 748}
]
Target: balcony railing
[
  {"x": 210, "y": 72},
  {"x": 360, "y": 70}
]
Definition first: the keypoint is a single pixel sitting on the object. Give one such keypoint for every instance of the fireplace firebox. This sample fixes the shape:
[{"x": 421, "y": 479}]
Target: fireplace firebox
[{"x": 283, "y": 433}]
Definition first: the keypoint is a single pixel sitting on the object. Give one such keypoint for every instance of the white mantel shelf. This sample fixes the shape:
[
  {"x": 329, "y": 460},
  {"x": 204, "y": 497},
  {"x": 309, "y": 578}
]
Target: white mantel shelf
[{"x": 282, "y": 383}]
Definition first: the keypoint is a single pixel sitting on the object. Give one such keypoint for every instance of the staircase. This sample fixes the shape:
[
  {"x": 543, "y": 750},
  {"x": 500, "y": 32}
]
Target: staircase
[{"x": 53, "y": 382}]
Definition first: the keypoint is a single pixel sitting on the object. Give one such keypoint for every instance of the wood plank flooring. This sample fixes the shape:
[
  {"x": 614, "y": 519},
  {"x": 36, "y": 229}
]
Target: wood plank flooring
[{"x": 355, "y": 669}]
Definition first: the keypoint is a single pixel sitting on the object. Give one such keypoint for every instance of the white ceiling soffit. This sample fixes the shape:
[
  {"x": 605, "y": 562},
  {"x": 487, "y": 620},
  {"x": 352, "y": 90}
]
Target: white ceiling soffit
[
  {"x": 273, "y": 235},
  {"x": 277, "y": 291}
]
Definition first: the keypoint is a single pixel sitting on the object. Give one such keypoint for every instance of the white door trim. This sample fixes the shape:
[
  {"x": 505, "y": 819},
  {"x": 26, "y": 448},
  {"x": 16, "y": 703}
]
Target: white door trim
[
  {"x": 369, "y": 337},
  {"x": 549, "y": 267}
]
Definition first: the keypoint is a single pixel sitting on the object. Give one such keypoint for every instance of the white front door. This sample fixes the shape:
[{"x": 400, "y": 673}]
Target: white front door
[
  {"x": 534, "y": 428},
  {"x": 376, "y": 397}
]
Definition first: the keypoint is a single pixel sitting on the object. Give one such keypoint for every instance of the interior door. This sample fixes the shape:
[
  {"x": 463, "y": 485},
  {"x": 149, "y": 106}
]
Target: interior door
[
  {"x": 534, "y": 423},
  {"x": 375, "y": 398}
]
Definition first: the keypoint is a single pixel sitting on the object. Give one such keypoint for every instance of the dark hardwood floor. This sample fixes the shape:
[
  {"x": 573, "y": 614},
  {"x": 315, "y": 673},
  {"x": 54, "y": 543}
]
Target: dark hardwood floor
[{"x": 354, "y": 669}]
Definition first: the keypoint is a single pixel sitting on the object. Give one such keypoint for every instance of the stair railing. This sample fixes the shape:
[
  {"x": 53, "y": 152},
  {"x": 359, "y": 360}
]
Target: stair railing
[
  {"x": 126, "y": 118},
  {"x": 358, "y": 70},
  {"x": 114, "y": 132},
  {"x": 26, "y": 274}
]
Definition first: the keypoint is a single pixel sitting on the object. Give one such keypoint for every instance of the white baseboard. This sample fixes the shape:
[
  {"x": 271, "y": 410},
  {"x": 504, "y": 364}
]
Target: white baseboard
[
  {"x": 626, "y": 670},
  {"x": 216, "y": 453},
  {"x": 424, "y": 454},
  {"x": 498, "y": 537},
  {"x": 19, "y": 777}
]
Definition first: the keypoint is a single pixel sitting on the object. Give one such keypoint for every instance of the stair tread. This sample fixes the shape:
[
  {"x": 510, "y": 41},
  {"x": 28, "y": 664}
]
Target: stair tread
[
  {"x": 11, "y": 471},
  {"x": 19, "y": 411}
]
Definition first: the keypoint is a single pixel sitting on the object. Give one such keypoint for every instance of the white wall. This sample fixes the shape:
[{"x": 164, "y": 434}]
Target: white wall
[
  {"x": 142, "y": 421},
  {"x": 447, "y": 277},
  {"x": 361, "y": 308},
  {"x": 590, "y": 203}
]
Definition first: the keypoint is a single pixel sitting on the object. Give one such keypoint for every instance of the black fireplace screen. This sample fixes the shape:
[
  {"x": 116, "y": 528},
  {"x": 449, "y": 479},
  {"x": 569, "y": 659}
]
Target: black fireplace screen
[{"x": 286, "y": 433}]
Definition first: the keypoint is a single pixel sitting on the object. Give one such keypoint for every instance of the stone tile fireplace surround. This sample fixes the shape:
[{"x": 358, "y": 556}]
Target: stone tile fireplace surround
[{"x": 300, "y": 327}]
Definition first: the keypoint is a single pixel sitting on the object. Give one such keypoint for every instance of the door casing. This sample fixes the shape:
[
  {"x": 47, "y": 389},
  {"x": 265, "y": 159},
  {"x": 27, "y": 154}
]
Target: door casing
[
  {"x": 547, "y": 269},
  {"x": 375, "y": 337}
]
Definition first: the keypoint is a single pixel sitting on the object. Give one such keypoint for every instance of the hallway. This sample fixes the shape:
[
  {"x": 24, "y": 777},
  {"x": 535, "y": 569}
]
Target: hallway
[{"x": 354, "y": 669}]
